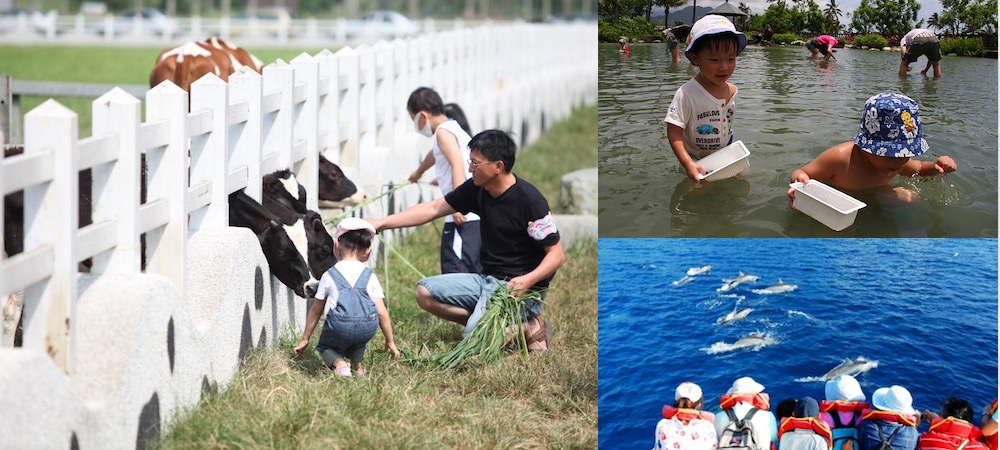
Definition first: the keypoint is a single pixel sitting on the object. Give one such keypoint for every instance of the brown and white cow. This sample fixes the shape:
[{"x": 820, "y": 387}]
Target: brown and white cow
[{"x": 192, "y": 60}]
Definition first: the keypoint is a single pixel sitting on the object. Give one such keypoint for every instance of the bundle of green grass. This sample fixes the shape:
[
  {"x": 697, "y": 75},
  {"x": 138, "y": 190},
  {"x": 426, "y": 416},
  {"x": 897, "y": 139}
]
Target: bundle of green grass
[{"x": 501, "y": 324}]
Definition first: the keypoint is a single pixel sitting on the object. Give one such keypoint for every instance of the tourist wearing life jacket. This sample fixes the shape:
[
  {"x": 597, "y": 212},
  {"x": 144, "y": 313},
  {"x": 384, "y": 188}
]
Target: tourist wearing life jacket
[
  {"x": 684, "y": 426},
  {"x": 804, "y": 430},
  {"x": 952, "y": 429},
  {"x": 842, "y": 410},
  {"x": 988, "y": 425},
  {"x": 745, "y": 403},
  {"x": 891, "y": 424}
]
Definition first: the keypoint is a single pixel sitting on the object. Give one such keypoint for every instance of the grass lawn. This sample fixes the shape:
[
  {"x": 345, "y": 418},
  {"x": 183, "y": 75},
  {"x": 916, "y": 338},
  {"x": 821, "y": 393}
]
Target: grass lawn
[{"x": 537, "y": 401}]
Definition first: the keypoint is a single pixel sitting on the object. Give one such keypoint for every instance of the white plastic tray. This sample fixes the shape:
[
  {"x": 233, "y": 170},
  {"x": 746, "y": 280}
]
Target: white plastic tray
[
  {"x": 726, "y": 162},
  {"x": 829, "y": 206}
]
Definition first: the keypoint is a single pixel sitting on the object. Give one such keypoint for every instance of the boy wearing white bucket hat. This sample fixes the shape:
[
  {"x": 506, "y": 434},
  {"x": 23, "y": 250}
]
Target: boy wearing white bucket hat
[
  {"x": 888, "y": 137},
  {"x": 892, "y": 421},
  {"x": 700, "y": 117}
]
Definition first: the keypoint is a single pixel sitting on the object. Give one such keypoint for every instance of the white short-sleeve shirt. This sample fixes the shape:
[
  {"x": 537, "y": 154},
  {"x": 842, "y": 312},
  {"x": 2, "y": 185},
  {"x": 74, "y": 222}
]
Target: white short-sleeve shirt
[
  {"x": 707, "y": 121},
  {"x": 351, "y": 270}
]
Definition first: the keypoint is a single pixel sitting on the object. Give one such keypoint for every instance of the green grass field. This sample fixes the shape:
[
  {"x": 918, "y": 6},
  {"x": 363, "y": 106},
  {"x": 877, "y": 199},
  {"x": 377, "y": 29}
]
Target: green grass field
[{"x": 537, "y": 401}]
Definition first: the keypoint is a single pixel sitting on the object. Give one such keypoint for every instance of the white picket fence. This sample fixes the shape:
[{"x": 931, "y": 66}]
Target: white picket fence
[{"x": 348, "y": 105}]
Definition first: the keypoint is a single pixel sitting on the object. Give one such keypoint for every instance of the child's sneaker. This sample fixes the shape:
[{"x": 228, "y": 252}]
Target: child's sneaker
[{"x": 344, "y": 371}]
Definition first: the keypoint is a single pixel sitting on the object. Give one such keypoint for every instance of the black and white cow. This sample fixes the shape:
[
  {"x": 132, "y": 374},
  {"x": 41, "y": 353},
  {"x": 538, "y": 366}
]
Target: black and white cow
[
  {"x": 284, "y": 197},
  {"x": 284, "y": 256}
]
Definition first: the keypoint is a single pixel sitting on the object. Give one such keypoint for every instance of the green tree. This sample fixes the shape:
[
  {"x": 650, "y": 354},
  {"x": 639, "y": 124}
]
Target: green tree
[
  {"x": 980, "y": 17},
  {"x": 934, "y": 21},
  {"x": 886, "y": 17},
  {"x": 832, "y": 14},
  {"x": 667, "y": 4}
]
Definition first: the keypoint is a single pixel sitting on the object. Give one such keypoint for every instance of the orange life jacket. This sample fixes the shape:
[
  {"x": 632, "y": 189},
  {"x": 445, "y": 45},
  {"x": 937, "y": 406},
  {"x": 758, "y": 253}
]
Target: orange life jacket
[
  {"x": 686, "y": 414},
  {"x": 956, "y": 427},
  {"x": 806, "y": 423},
  {"x": 842, "y": 406},
  {"x": 760, "y": 401},
  {"x": 891, "y": 416}
]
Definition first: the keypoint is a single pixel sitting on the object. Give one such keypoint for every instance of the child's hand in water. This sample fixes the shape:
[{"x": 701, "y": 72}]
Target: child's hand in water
[
  {"x": 799, "y": 176},
  {"x": 693, "y": 170},
  {"x": 945, "y": 164}
]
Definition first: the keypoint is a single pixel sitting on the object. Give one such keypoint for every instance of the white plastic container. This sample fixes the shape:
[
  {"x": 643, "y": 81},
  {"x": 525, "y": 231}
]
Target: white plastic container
[
  {"x": 831, "y": 207},
  {"x": 726, "y": 162}
]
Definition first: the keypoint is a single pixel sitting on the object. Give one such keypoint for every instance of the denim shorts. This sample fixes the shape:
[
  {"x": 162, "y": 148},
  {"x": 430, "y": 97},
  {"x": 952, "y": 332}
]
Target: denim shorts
[{"x": 471, "y": 291}]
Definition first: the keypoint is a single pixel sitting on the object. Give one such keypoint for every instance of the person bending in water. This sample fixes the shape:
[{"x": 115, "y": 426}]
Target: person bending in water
[{"x": 888, "y": 138}]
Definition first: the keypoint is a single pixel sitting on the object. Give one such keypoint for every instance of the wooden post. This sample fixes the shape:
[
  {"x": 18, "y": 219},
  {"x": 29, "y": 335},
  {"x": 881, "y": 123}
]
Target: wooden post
[
  {"x": 210, "y": 101},
  {"x": 116, "y": 185},
  {"x": 246, "y": 87},
  {"x": 167, "y": 180},
  {"x": 50, "y": 212},
  {"x": 347, "y": 61},
  {"x": 306, "y": 128}
]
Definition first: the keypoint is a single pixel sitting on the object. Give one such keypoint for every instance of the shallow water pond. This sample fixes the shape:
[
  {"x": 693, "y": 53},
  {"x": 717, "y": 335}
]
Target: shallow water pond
[{"x": 790, "y": 109}]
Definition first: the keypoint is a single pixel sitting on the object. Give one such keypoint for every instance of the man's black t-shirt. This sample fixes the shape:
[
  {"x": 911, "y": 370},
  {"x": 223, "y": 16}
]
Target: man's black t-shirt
[{"x": 515, "y": 228}]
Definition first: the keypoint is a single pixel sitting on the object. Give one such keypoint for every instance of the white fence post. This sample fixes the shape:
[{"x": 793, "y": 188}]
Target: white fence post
[
  {"x": 328, "y": 114},
  {"x": 385, "y": 85},
  {"x": 347, "y": 61},
  {"x": 366, "y": 99},
  {"x": 306, "y": 128},
  {"x": 116, "y": 185},
  {"x": 246, "y": 88},
  {"x": 209, "y": 106},
  {"x": 279, "y": 78},
  {"x": 167, "y": 180},
  {"x": 50, "y": 219}
]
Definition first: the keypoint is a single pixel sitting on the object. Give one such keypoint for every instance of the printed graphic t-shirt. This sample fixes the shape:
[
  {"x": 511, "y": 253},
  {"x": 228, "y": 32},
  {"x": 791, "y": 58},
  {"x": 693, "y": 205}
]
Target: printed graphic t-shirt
[{"x": 707, "y": 121}]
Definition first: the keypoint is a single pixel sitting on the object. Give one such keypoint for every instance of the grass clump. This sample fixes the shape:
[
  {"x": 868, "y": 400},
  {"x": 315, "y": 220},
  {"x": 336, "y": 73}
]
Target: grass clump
[
  {"x": 871, "y": 41},
  {"x": 487, "y": 341}
]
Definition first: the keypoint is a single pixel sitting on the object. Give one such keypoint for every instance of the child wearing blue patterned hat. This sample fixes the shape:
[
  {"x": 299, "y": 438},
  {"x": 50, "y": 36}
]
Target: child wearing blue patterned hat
[{"x": 888, "y": 137}]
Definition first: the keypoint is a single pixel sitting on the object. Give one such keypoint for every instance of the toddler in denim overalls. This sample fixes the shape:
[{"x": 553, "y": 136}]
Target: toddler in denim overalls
[{"x": 352, "y": 310}]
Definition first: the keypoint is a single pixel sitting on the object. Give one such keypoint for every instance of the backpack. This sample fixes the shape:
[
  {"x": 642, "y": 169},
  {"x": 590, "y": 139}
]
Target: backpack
[
  {"x": 842, "y": 433},
  {"x": 738, "y": 434},
  {"x": 885, "y": 443}
]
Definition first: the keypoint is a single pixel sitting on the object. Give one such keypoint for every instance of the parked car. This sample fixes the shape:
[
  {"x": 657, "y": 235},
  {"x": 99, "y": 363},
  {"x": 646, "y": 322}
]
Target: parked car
[
  {"x": 267, "y": 21},
  {"x": 376, "y": 25},
  {"x": 151, "y": 22}
]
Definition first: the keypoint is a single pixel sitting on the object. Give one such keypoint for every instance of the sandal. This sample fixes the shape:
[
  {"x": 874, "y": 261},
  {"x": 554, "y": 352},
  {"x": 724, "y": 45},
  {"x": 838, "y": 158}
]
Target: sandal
[{"x": 542, "y": 335}]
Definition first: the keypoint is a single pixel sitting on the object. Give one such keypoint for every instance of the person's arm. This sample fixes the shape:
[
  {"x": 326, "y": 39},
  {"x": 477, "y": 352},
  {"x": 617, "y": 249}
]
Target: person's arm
[
  {"x": 385, "y": 323},
  {"x": 675, "y": 135},
  {"x": 427, "y": 163},
  {"x": 311, "y": 319},
  {"x": 944, "y": 164},
  {"x": 822, "y": 168},
  {"x": 418, "y": 214},
  {"x": 554, "y": 258},
  {"x": 448, "y": 143}
]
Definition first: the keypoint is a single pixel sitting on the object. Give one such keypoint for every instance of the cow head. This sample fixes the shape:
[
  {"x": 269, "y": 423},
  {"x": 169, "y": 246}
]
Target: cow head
[
  {"x": 321, "y": 257},
  {"x": 285, "y": 260},
  {"x": 282, "y": 194},
  {"x": 335, "y": 187}
]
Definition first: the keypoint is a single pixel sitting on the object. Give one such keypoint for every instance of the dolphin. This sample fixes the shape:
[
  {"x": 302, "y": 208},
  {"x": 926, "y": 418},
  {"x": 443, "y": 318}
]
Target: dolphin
[
  {"x": 779, "y": 288},
  {"x": 754, "y": 339},
  {"x": 850, "y": 367},
  {"x": 734, "y": 316},
  {"x": 699, "y": 270},
  {"x": 733, "y": 282},
  {"x": 685, "y": 280}
]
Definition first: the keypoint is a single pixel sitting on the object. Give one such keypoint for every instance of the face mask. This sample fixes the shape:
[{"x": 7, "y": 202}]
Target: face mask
[{"x": 426, "y": 130}]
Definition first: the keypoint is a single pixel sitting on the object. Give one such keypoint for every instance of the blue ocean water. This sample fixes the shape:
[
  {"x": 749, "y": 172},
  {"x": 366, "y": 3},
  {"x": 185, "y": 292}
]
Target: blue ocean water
[{"x": 926, "y": 310}]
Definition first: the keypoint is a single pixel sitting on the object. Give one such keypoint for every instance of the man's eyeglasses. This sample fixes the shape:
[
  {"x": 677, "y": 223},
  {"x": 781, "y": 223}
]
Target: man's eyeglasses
[{"x": 477, "y": 164}]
